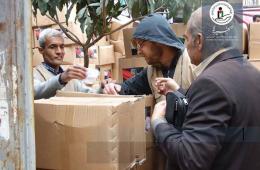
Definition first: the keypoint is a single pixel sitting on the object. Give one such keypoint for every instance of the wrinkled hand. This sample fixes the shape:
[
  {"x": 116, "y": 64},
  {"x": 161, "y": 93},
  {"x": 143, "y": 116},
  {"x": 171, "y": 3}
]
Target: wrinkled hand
[
  {"x": 165, "y": 85},
  {"x": 112, "y": 88},
  {"x": 74, "y": 72},
  {"x": 159, "y": 110}
]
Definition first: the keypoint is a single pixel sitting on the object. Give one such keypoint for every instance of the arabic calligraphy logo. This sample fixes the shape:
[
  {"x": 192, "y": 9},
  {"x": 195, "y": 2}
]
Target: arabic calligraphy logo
[{"x": 221, "y": 13}]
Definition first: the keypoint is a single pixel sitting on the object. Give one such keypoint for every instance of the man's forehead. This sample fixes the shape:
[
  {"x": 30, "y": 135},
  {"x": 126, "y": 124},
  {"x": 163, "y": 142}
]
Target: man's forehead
[{"x": 54, "y": 40}]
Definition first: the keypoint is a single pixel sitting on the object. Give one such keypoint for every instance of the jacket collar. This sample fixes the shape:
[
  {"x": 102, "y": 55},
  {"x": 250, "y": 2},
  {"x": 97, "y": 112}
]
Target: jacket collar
[
  {"x": 204, "y": 64},
  {"x": 227, "y": 55}
]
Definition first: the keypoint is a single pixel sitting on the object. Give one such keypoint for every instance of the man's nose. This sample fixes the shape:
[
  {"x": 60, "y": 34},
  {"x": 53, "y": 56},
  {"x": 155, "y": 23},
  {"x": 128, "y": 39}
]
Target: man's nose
[{"x": 59, "y": 50}]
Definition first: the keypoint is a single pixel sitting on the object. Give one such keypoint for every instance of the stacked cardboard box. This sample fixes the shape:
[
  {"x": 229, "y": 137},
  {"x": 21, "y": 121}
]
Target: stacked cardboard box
[
  {"x": 154, "y": 159},
  {"x": 117, "y": 40},
  {"x": 102, "y": 55},
  {"x": 89, "y": 133},
  {"x": 179, "y": 29},
  {"x": 254, "y": 41},
  {"x": 42, "y": 22}
]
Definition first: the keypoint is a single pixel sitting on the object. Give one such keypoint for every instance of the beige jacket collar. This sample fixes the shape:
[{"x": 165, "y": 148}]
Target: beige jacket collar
[{"x": 201, "y": 67}]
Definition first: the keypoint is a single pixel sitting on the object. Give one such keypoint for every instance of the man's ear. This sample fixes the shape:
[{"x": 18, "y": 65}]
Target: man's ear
[{"x": 199, "y": 41}]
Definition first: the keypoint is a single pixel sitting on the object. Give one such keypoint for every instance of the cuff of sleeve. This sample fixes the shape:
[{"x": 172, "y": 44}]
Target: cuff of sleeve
[
  {"x": 158, "y": 121},
  {"x": 61, "y": 82},
  {"x": 58, "y": 83}
]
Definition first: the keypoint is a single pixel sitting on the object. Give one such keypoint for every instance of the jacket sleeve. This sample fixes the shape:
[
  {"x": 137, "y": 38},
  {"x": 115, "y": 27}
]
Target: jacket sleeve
[
  {"x": 46, "y": 89},
  {"x": 137, "y": 85},
  {"x": 203, "y": 131}
]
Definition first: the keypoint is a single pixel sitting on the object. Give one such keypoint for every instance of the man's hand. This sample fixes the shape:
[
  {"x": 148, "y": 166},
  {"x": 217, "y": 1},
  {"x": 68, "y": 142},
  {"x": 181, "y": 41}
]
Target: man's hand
[
  {"x": 165, "y": 85},
  {"x": 112, "y": 88},
  {"x": 74, "y": 72},
  {"x": 159, "y": 110}
]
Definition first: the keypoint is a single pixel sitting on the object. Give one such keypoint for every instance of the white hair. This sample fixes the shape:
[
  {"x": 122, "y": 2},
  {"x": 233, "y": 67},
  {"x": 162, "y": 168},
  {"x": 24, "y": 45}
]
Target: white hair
[
  {"x": 200, "y": 22},
  {"x": 49, "y": 32}
]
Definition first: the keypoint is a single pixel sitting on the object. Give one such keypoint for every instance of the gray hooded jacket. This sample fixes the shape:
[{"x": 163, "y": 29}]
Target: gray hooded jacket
[{"x": 153, "y": 28}]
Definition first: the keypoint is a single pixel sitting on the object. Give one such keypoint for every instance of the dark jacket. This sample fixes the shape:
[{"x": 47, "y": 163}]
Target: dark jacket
[
  {"x": 152, "y": 28},
  {"x": 221, "y": 130}
]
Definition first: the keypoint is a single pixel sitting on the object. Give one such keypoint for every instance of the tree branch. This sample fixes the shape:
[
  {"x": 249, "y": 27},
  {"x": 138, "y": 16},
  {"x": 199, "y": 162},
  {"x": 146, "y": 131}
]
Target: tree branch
[
  {"x": 67, "y": 32},
  {"x": 119, "y": 28}
]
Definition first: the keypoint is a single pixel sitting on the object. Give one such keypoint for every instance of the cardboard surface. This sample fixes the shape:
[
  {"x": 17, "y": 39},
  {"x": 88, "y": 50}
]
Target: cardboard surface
[
  {"x": 118, "y": 35},
  {"x": 254, "y": 31},
  {"x": 118, "y": 46},
  {"x": 89, "y": 133},
  {"x": 75, "y": 29},
  {"x": 179, "y": 29},
  {"x": 116, "y": 72},
  {"x": 133, "y": 62},
  {"x": 244, "y": 38},
  {"x": 45, "y": 21},
  {"x": 102, "y": 55},
  {"x": 130, "y": 50},
  {"x": 254, "y": 49},
  {"x": 36, "y": 57}
]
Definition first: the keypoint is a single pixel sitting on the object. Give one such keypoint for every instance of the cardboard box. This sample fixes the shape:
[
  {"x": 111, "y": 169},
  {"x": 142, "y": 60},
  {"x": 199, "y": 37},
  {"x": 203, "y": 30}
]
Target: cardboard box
[
  {"x": 103, "y": 41},
  {"x": 179, "y": 29},
  {"x": 106, "y": 72},
  {"x": 37, "y": 57},
  {"x": 102, "y": 55},
  {"x": 125, "y": 63},
  {"x": 89, "y": 133},
  {"x": 116, "y": 67},
  {"x": 244, "y": 45},
  {"x": 254, "y": 32},
  {"x": 255, "y": 63},
  {"x": 36, "y": 33},
  {"x": 118, "y": 46},
  {"x": 34, "y": 21},
  {"x": 152, "y": 151},
  {"x": 254, "y": 49},
  {"x": 118, "y": 35},
  {"x": 130, "y": 50},
  {"x": 72, "y": 53},
  {"x": 75, "y": 29},
  {"x": 45, "y": 21}
]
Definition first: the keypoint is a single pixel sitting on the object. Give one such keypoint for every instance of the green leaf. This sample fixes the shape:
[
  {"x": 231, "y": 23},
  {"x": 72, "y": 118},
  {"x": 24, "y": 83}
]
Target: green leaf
[
  {"x": 94, "y": 5},
  {"x": 67, "y": 15},
  {"x": 98, "y": 11},
  {"x": 43, "y": 7},
  {"x": 81, "y": 13}
]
